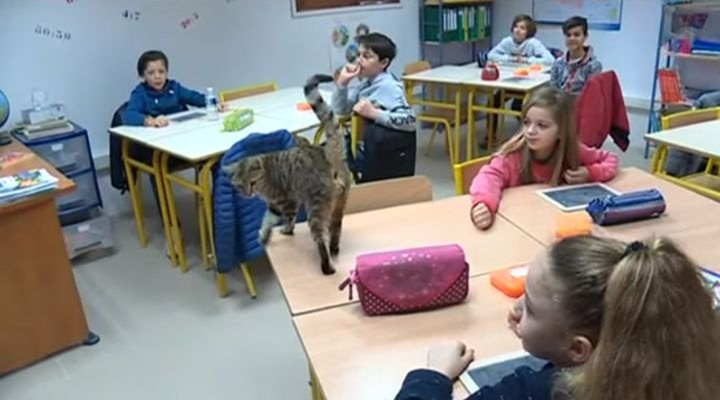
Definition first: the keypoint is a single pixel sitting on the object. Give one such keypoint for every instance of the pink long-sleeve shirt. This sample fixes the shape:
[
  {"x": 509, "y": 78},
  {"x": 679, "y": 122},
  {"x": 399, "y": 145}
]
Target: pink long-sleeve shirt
[{"x": 503, "y": 171}]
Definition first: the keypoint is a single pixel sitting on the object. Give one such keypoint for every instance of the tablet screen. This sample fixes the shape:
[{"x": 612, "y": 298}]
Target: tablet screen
[
  {"x": 572, "y": 198},
  {"x": 490, "y": 371}
]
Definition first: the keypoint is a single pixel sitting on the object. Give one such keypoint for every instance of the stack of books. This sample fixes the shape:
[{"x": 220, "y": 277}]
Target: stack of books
[{"x": 25, "y": 184}]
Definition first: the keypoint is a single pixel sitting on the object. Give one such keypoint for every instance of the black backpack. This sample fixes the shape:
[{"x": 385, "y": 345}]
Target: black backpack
[{"x": 118, "y": 179}]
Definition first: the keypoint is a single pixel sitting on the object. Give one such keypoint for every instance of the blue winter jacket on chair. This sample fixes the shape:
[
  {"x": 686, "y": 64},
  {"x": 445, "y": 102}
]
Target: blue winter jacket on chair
[{"x": 238, "y": 218}]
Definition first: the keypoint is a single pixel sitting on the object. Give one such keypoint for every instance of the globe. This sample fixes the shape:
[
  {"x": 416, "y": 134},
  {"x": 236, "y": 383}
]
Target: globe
[{"x": 4, "y": 108}]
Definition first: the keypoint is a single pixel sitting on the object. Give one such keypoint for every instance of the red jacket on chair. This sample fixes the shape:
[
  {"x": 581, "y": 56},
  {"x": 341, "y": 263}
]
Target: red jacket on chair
[{"x": 600, "y": 111}]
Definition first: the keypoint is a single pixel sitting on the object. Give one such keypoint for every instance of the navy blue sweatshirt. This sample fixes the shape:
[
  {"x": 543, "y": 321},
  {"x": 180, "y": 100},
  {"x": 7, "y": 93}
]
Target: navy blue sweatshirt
[
  {"x": 524, "y": 383},
  {"x": 146, "y": 101}
]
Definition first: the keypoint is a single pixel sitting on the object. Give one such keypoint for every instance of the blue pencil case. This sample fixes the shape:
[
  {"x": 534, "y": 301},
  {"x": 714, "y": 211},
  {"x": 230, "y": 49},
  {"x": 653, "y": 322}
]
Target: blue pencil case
[{"x": 626, "y": 207}]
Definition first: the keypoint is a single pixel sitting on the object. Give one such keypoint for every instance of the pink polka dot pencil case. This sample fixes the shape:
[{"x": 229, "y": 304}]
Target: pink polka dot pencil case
[{"x": 410, "y": 280}]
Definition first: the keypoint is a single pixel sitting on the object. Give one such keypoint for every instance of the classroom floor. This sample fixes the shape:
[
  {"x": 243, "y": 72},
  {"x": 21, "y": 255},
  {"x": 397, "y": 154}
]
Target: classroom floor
[{"x": 167, "y": 335}]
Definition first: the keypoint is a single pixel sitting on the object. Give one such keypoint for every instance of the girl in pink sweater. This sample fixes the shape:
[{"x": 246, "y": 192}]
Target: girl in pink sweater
[{"x": 546, "y": 150}]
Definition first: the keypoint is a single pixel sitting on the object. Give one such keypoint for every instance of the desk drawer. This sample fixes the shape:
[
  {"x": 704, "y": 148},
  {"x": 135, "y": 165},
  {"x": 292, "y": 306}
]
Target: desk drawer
[
  {"x": 69, "y": 156},
  {"x": 84, "y": 196},
  {"x": 93, "y": 234}
]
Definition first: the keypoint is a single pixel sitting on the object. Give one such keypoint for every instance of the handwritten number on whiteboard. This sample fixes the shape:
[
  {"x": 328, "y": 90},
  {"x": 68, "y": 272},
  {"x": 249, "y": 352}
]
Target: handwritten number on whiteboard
[
  {"x": 52, "y": 33},
  {"x": 188, "y": 21},
  {"x": 131, "y": 15}
]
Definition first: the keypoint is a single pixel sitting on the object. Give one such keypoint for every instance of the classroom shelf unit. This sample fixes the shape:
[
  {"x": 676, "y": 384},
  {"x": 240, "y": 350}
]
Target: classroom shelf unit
[
  {"x": 84, "y": 226},
  {"x": 682, "y": 26},
  {"x": 454, "y": 31}
]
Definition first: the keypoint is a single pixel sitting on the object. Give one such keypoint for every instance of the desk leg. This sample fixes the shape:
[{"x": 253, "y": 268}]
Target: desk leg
[
  {"x": 135, "y": 193},
  {"x": 455, "y": 141},
  {"x": 207, "y": 202},
  {"x": 205, "y": 235},
  {"x": 470, "y": 142},
  {"x": 658, "y": 160},
  {"x": 315, "y": 388},
  {"x": 176, "y": 246}
]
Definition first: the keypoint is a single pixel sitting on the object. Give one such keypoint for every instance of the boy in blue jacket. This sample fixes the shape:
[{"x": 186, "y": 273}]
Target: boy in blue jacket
[{"x": 157, "y": 96}]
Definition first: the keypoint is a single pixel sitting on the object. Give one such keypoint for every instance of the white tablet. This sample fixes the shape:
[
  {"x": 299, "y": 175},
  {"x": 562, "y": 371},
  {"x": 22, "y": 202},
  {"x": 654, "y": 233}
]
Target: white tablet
[
  {"x": 490, "y": 371},
  {"x": 576, "y": 197},
  {"x": 182, "y": 117}
]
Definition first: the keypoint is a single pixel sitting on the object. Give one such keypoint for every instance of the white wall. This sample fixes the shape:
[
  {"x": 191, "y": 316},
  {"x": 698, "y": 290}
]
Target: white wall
[
  {"x": 231, "y": 44},
  {"x": 630, "y": 51}
]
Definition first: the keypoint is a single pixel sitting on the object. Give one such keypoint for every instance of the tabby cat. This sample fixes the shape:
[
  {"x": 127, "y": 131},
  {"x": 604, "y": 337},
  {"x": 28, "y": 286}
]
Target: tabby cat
[{"x": 315, "y": 177}]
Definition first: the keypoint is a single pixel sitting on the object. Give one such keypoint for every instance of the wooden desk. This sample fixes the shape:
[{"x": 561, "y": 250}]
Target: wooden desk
[
  {"x": 690, "y": 219},
  {"x": 356, "y": 357},
  {"x": 297, "y": 264},
  {"x": 40, "y": 309}
]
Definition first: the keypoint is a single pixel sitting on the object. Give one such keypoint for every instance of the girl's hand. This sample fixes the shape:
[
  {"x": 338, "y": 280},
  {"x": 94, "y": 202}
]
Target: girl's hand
[
  {"x": 450, "y": 358},
  {"x": 481, "y": 216},
  {"x": 576, "y": 176},
  {"x": 514, "y": 316}
]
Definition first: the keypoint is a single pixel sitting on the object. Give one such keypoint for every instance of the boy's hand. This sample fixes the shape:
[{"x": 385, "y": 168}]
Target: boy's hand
[
  {"x": 347, "y": 73},
  {"x": 161, "y": 121},
  {"x": 520, "y": 59},
  {"x": 514, "y": 316},
  {"x": 365, "y": 109},
  {"x": 481, "y": 216},
  {"x": 158, "y": 122},
  {"x": 450, "y": 358},
  {"x": 223, "y": 107},
  {"x": 577, "y": 176}
]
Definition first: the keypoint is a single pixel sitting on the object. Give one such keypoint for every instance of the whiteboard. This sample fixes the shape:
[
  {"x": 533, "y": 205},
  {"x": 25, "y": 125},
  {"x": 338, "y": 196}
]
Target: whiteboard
[{"x": 601, "y": 14}]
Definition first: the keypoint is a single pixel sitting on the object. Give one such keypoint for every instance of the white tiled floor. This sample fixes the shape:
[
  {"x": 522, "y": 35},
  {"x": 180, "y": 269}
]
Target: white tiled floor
[{"x": 167, "y": 335}]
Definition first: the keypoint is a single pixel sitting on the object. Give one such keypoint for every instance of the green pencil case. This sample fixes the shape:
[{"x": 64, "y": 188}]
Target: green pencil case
[{"x": 238, "y": 119}]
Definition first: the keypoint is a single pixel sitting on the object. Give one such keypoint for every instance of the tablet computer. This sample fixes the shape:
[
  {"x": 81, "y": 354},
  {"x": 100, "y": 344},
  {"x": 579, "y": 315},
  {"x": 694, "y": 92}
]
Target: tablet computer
[
  {"x": 490, "y": 371},
  {"x": 186, "y": 116},
  {"x": 576, "y": 197}
]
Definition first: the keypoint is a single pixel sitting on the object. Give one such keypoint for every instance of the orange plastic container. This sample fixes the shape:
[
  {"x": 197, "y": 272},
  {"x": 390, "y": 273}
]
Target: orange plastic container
[
  {"x": 573, "y": 224},
  {"x": 510, "y": 281},
  {"x": 304, "y": 106}
]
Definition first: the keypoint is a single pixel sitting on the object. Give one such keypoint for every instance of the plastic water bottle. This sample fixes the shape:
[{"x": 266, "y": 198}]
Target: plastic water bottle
[{"x": 211, "y": 104}]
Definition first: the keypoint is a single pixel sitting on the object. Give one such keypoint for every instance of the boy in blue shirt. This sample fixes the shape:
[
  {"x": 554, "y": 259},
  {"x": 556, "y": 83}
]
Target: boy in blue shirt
[{"x": 158, "y": 96}]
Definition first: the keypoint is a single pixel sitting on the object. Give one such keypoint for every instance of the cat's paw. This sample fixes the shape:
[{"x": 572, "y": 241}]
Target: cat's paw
[
  {"x": 287, "y": 230},
  {"x": 265, "y": 236},
  {"x": 327, "y": 269}
]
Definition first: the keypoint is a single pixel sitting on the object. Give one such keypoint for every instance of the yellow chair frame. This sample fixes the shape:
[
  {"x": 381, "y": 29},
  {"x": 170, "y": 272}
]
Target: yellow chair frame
[
  {"x": 451, "y": 130},
  {"x": 463, "y": 173},
  {"x": 707, "y": 182},
  {"x": 247, "y": 91}
]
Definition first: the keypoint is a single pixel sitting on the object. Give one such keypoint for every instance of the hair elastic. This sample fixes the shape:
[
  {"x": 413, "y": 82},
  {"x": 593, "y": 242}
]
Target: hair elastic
[{"x": 633, "y": 247}]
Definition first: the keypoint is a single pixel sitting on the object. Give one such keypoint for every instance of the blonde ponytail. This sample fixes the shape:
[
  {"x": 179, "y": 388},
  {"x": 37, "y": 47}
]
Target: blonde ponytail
[{"x": 658, "y": 338}]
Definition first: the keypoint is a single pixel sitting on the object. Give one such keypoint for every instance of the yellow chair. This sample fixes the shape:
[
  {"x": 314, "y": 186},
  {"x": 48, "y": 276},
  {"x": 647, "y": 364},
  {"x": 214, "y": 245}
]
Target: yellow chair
[
  {"x": 465, "y": 172},
  {"x": 437, "y": 111},
  {"x": 247, "y": 91},
  {"x": 707, "y": 182},
  {"x": 203, "y": 191}
]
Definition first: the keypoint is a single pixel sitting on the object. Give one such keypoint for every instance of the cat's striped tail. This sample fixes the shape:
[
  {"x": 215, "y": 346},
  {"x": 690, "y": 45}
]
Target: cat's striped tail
[{"x": 334, "y": 133}]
